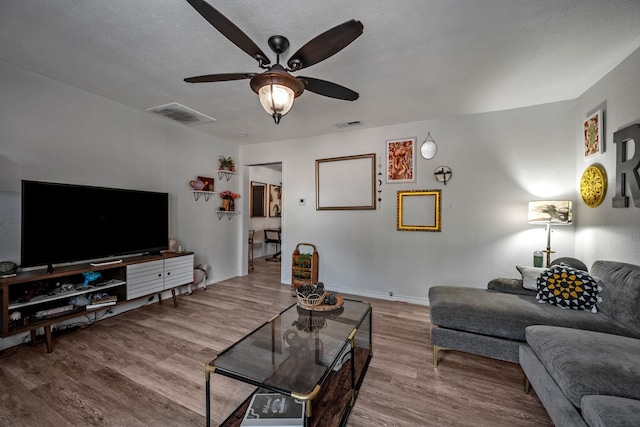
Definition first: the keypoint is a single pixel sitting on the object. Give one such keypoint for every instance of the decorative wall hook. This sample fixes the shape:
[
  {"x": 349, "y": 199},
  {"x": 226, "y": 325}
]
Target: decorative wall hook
[
  {"x": 443, "y": 174},
  {"x": 379, "y": 182}
]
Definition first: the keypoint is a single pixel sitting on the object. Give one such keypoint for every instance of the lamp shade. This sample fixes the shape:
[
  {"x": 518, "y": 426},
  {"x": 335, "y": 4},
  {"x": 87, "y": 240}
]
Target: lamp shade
[
  {"x": 557, "y": 212},
  {"x": 277, "y": 90},
  {"x": 276, "y": 100}
]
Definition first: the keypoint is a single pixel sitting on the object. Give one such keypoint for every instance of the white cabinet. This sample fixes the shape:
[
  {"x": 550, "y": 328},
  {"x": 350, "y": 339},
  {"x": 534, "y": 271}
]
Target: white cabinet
[
  {"x": 153, "y": 277},
  {"x": 178, "y": 271},
  {"x": 145, "y": 278}
]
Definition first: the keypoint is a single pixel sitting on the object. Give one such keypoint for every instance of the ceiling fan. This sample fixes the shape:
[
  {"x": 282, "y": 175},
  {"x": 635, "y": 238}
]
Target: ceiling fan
[{"x": 275, "y": 87}]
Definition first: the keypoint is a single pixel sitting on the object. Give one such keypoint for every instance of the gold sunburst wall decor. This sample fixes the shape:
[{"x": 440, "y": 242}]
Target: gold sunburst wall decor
[{"x": 593, "y": 185}]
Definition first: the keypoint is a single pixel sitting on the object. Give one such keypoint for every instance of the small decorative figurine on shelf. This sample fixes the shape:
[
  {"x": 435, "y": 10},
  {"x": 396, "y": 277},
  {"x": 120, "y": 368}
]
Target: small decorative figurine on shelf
[
  {"x": 90, "y": 276},
  {"x": 228, "y": 200},
  {"x": 227, "y": 164},
  {"x": 174, "y": 246}
]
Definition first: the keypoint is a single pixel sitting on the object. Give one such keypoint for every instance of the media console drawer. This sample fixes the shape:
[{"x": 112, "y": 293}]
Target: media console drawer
[
  {"x": 145, "y": 278},
  {"x": 153, "y": 277},
  {"x": 178, "y": 271}
]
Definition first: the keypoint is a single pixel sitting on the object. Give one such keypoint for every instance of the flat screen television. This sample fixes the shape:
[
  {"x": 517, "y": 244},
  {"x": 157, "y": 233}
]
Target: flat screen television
[{"x": 63, "y": 223}]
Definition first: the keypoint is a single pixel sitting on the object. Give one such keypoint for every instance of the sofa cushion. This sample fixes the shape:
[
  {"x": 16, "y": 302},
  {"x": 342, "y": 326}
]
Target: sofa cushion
[
  {"x": 610, "y": 411},
  {"x": 509, "y": 285},
  {"x": 620, "y": 291},
  {"x": 560, "y": 410},
  {"x": 506, "y": 315},
  {"x": 586, "y": 363},
  {"x": 568, "y": 287},
  {"x": 575, "y": 263},
  {"x": 530, "y": 276}
]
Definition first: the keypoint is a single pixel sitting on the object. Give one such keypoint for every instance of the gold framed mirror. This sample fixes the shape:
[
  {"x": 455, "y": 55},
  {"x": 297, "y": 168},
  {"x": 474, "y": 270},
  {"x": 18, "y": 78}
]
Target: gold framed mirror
[
  {"x": 258, "y": 199},
  {"x": 419, "y": 210}
]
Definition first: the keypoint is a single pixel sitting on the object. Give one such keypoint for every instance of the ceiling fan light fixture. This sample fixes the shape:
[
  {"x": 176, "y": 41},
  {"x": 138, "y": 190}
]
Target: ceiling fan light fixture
[
  {"x": 279, "y": 83},
  {"x": 277, "y": 100},
  {"x": 277, "y": 90}
]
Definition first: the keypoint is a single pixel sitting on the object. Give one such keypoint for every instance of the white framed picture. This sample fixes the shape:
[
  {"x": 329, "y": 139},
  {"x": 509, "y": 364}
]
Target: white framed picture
[
  {"x": 401, "y": 160},
  {"x": 593, "y": 142}
]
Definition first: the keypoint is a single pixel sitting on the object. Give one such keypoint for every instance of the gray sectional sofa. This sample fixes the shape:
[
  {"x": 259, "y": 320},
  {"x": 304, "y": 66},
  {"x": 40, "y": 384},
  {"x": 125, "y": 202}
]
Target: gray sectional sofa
[{"x": 584, "y": 366}]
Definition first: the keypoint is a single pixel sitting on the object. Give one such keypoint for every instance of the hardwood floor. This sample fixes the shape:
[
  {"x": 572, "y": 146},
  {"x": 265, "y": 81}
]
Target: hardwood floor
[{"x": 146, "y": 368}]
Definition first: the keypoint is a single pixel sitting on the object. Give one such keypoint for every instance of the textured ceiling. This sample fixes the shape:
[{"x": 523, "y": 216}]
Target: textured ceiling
[{"x": 417, "y": 59}]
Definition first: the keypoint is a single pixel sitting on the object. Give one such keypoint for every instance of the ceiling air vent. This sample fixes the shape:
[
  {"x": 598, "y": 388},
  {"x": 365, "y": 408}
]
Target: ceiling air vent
[
  {"x": 348, "y": 124},
  {"x": 182, "y": 114}
]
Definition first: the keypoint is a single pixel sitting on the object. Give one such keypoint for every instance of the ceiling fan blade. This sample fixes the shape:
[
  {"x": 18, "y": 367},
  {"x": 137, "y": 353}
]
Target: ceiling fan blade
[
  {"x": 229, "y": 30},
  {"x": 325, "y": 45},
  {"x": 325, "y": 88},
  {"x": 208, "y": 78}
]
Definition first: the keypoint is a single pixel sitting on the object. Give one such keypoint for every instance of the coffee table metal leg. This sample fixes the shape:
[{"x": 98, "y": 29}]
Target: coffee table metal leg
[
  {"x": 307, "y": 398},
  {"x": 207, "y": 374},
  {"x": 352, "y": 344},
  {"x": 308, "y": 414}
]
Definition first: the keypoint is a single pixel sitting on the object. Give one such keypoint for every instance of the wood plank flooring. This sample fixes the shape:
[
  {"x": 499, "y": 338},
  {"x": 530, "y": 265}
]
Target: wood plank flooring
[{"x": 146, "y": 368}]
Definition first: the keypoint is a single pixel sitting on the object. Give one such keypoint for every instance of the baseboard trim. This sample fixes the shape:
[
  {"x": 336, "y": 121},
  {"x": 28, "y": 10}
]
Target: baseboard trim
[{"x": 380, "y": 295}]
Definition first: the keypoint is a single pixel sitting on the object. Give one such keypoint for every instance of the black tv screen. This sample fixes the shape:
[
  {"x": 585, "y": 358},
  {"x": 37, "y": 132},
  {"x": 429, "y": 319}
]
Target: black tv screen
[{"x": 64, "y": 223}]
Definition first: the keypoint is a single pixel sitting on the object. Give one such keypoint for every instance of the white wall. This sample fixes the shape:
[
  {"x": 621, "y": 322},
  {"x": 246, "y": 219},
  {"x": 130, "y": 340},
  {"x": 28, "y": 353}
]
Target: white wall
[
  {"x": 500, "y": 161},
  {"x": 606, "y": 232},
  {"x": 53, "y": 132}
]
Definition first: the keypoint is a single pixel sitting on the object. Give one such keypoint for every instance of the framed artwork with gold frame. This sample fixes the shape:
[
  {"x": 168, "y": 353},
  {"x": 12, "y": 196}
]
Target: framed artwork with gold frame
[
  {"x": 419, "y": 210},
  {"x": 258, "y": 201}
]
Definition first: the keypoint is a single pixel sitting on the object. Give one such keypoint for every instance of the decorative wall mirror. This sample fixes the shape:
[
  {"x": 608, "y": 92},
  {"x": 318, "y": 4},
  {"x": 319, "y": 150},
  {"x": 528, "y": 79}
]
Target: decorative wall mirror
[
  {"x": 419, "y": 210},
  {"x": 258, "y": 199},
  {"x": 346, "y": 182}
]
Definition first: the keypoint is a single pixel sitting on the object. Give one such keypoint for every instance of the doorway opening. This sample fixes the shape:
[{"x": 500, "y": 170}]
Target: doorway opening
[{"x": 266, "y": 211}]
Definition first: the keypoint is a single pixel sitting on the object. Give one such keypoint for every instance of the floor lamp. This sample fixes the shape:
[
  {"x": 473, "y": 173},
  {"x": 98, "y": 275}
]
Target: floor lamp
[{"x": 548, "y": 213}]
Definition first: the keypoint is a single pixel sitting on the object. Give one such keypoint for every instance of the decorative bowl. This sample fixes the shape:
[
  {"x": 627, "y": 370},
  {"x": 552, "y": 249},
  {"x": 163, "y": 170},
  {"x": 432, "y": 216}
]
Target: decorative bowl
[{"x": 311, "y": 299}]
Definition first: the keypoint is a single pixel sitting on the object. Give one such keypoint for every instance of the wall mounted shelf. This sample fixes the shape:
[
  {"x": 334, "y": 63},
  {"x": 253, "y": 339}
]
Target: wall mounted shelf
[
  {"x": 207, "y": 194},
  {"x": 229, "y": 214},
  {"x": 225, "y": 174}
]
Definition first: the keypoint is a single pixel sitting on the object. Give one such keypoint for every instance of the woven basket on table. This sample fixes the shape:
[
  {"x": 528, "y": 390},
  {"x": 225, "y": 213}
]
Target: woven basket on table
[{"x": 311, "y": 300}]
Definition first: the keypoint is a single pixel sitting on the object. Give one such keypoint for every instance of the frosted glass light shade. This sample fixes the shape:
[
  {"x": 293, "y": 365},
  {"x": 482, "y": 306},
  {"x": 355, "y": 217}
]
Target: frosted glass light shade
[
  {"x": 277, "y": 100},
  {"x": 276, "y": 90}
]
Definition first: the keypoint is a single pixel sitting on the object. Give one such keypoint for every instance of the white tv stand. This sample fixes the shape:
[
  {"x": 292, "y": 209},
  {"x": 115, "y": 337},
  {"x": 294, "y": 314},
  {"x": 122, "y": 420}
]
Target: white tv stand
[{"x": 37, "y": 299}]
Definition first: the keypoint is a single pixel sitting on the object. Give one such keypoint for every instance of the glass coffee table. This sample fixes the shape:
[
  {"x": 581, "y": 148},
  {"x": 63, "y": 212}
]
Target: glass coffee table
[{"x": 318, "y": 357}]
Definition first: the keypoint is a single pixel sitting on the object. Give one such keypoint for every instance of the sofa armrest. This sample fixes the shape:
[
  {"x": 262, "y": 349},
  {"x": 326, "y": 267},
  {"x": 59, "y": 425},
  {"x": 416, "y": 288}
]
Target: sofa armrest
[{"x": 509, "y": 286}]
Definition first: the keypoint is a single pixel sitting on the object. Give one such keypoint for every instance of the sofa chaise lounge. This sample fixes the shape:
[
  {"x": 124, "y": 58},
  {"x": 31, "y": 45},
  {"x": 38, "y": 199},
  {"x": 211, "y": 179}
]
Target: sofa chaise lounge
[{"x": 584, "y": 366}]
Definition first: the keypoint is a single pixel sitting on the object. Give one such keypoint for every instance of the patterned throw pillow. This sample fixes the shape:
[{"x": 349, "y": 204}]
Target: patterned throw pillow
[{"x": 568, "y": 287}]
